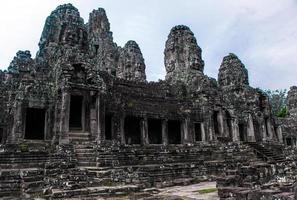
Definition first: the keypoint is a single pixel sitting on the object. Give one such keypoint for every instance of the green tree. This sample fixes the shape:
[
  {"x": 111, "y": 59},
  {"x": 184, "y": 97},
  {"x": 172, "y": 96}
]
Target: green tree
[{"x": 277, "y": 99}]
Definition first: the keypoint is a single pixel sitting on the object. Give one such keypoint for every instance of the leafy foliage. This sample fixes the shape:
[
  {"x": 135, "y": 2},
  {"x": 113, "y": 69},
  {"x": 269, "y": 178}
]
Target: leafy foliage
[
  {"x": 277, "y": 99},
  {"x": 283, "y": 112}
]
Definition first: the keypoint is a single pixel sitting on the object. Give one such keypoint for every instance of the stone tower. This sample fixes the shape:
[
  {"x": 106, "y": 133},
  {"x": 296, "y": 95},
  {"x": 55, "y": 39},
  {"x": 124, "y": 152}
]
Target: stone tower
[
  {"x": 232, "y": 72},
  {"x": 103, "y": 51},
  {"x": 64, "y": 27},
  {"x": 292, "y": 100},
  {"x": 182, "y": 55},
  {"x": 131, "y": 63}
]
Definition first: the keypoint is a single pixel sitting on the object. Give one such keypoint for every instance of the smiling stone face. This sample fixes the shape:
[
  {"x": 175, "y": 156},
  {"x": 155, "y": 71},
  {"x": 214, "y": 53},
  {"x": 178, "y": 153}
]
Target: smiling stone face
[{"x": 182, "y": 54}]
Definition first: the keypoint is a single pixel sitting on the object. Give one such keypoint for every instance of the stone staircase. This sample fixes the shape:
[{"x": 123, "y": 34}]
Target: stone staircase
[
  {"x": 265, "y": 153},
  {"x": 77, "y": 136},
  {"x": 85, "y": 154}
]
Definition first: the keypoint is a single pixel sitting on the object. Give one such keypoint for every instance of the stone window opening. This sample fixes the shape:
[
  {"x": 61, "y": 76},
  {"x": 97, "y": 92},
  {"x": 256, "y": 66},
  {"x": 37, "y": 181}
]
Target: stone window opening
[
  {"x": 108, "y": 127},
  {"x": 198, "y": 132},
  {"x": 96, "y": 48},
  {"x": 132, "y": 130},
  {"x": 155, "y": 131},
  {"x": 35, "y": 124},
  {"x": 75, "y": 118},
  {"x": 289, "y": 142},
  {"x": 241, "y": 128},
  {"x": 174, "y": 132}
]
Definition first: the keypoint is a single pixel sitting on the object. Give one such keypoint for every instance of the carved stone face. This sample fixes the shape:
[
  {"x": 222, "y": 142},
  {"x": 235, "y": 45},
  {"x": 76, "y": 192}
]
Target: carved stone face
[{"x": 182, "y": 52}]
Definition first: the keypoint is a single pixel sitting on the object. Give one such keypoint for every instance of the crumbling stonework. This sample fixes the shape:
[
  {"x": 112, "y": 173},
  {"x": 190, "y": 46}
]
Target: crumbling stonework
[
  {"x": 232, "y": 72},
  {"x": 287, "y": 127},
  {"x": 131, "y": 63},
  {"x": 84, "y": 115}
]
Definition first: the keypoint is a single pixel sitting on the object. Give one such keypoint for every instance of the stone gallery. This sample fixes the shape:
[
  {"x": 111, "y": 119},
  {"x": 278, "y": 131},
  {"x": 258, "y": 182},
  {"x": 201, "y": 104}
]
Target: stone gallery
[{"x": 80, "y": 120}]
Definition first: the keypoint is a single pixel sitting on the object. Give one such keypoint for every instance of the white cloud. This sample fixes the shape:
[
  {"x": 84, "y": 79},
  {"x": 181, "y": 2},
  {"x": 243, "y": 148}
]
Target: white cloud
[{"x": 262, "y": 33}]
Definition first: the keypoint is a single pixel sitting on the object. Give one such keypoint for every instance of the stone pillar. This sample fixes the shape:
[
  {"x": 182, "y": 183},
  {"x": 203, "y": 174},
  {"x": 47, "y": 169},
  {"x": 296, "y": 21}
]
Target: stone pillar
[
  {"x": 185, "y": 130},
  {"x": 280, "y": 134},
  {"x": 270, "y": 129},
  {"x": 64, "y": 120},
  {"x": 250, "y": 130},
  {"x": 210, "y": 127},
  {"x": 144, "y": 131},
  {"x": 220, "y": 120},
  {"x": 16, "y": 131},
  {"x": 235, "y": 130},
  {"x": 99, "y": 119},
  {"x": 122, "y": 129},
  {"x": 203, "y": 136},
  {"x": 164, "y": 132},
  {"x": 263, "y": 130}
]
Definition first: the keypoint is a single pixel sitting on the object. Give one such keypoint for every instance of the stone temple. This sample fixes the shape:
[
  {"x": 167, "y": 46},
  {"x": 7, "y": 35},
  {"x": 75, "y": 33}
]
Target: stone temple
[{"x": 81, "y": 120}]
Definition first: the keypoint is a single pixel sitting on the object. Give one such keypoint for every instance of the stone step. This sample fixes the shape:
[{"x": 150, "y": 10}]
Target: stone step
[
  {"x": 87, "y": 164},
  {"x": 95, "y": 191},
  {"x": 86, "y": 159}
]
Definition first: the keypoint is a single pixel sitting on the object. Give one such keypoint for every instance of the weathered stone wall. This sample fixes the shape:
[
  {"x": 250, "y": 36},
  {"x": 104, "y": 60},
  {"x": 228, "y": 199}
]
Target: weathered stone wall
[{"x": 81, "y": 59}]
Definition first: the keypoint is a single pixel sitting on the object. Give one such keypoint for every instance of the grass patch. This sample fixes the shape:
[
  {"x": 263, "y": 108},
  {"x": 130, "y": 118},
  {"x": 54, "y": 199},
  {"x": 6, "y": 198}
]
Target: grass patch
[{"x": 207, "y": 190}]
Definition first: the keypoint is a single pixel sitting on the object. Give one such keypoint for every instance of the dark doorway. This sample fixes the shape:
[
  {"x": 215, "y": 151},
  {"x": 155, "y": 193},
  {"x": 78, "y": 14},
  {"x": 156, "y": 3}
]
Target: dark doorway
[
  {"x": 257, "y": 129},
  {"x": 155, "y": 131},
  {"x": 174, "y": 132},
  {"x": 108, "y": 127},
  {"x": 1, "y": 135},
  {"x": 35, "y": 118},
  {"x": 229, "y": 123},
  {"x": 75, "y": 120},
  {"x": 289, "y": 141},
  {"x": 241, "y": 132},
  {"x": 215, "y": 122},
  {"x": 198, "y": 132},
  {"x": 132, "y": 130}
]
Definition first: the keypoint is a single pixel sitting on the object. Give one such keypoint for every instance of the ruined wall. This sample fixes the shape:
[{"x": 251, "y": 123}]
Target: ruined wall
[
  {"x": 248, "y": 105},
  {"x": 75, "y": 58}
]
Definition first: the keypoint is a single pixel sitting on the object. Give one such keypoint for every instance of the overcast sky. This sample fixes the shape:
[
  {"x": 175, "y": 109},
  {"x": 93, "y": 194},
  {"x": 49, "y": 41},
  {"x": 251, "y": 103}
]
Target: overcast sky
[{"x": 262, "y": 33}]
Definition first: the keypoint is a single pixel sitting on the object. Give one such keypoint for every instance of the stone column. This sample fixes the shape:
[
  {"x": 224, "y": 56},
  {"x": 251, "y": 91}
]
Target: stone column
[
  {"x": 203, "y": 136},
  {"x": 64, "y": 120},
  {"x": 16, "y": 131},
  {"x": 99, "y": 119},
  {"x": 270, "y": 129},
  {"x": 263, "y": 130},
  {"x": 250, "y": 130},
  {"x": 144, "y": 131},
  {"x": 220, "y": 120},
  {"x": 122, "y": 129},
  {"x": 164, "y": 132},
  {"x": 210, "y": 127},
  {"x": 280, "y": 134},
  {"x": 235, "y": 130},
  {"x": 185, "y": 130}
]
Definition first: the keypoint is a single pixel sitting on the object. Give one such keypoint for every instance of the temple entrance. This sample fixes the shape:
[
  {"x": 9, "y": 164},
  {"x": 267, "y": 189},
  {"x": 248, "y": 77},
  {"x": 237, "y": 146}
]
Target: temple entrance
[
  {"x": 75, "y": 120},
  {"x": 198, "y": 132},
  {"x": 155, "y": 131},
  {"x": 241, "y": 132},
  {"x": 174, "y": 132},
  {"x": 108, "y": 127},
  {"x": 132, "y": 130},
  {"x": 35, "y": 120}
]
